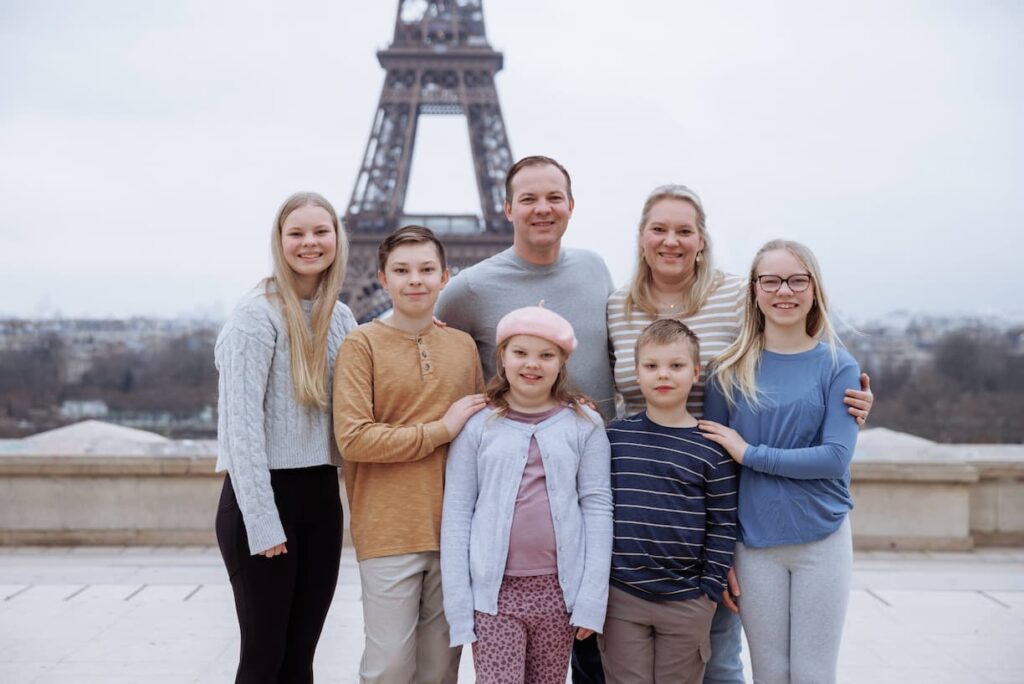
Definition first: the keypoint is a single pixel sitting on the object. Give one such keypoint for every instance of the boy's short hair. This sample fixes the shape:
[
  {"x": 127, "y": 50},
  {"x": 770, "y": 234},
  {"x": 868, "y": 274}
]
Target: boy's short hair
[
  {"x": 407, "y": 235},
  {"x": 667, "y": 331}
]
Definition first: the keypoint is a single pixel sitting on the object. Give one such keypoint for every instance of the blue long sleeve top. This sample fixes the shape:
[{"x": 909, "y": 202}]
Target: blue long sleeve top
[{"x": 795, "y": 481}]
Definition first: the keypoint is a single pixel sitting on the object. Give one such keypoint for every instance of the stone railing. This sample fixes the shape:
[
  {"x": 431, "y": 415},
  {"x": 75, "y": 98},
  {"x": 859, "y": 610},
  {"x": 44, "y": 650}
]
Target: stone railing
[{"x": 909, "y": 494}]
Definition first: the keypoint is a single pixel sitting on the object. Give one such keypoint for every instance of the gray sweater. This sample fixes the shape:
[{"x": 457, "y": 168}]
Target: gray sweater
[
  {"x": 485, "y": 468},
  {"x": 576, "y": 286},
  {"x": 261, "y": 427}
]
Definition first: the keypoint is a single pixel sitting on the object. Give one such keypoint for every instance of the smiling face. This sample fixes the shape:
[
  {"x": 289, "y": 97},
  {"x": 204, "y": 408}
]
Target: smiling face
[
  {"x": 309, "y": 244},
  {"x": 413, "y": 277},
  {"x": 666, "y": 373},
  {"x": 539, "y": 209},
  {"x": 670, "y": 240},
  {"x": 784, "y": 308},
  {"x": 532, "y": 365}
]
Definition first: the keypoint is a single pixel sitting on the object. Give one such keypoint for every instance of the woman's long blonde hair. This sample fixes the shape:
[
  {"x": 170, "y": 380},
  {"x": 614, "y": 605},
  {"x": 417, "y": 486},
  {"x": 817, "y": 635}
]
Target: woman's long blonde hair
[
  {"x": 735, "y": 369},
  {"x": 308, "y": 340},
  {"x": 706, "y": 276},
  {"x": 498, "y": 387}
]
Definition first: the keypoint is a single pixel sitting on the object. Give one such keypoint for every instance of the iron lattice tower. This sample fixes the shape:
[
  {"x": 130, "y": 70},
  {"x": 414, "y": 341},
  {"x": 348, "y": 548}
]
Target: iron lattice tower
[{"x": 438, "y": 63}]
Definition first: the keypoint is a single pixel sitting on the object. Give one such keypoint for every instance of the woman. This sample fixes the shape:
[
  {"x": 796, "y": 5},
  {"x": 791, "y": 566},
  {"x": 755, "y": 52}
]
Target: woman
[
  {"x": 775, "y": 404},
  {"x": 675, "y": 277},
  {"x": 279, "y": 519}
]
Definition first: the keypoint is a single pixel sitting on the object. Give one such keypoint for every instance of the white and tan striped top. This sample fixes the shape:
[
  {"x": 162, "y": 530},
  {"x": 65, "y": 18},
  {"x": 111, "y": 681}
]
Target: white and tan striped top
[{"x": 716, "y": 325}]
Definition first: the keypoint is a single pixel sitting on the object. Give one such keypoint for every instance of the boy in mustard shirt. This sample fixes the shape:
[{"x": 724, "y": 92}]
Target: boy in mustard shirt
[{"x": 403, "y": 389}]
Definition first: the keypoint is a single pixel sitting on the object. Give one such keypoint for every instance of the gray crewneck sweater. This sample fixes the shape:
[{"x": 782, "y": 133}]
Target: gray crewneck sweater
[
  {"x": 261, "y": 427},
  {"x": 576, "y": 286}
]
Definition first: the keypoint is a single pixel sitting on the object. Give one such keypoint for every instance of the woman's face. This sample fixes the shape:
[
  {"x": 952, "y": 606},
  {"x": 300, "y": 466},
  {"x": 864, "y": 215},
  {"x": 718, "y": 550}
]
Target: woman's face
[
  {"x": 308, "y": 241},
  {"x": 670, "y": 240}
]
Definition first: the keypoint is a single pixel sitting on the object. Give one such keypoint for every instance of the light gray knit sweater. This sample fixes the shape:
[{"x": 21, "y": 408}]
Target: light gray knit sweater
[{"x": 261, "y": 427}]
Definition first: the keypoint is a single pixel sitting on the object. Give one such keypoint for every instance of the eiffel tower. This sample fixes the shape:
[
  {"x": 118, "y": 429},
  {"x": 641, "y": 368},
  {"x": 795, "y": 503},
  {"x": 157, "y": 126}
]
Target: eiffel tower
[{"x": 439, "y": 63}]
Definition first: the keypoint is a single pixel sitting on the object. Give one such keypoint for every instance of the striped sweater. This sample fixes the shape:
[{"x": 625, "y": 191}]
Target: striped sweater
[
  {"x": 716, "y": 325},
  {"x": 675, "y": 511}
]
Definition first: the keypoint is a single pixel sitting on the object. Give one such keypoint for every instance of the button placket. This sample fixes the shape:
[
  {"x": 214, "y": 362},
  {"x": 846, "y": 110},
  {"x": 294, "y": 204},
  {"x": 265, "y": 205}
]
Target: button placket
[{"x": 424, "y": 356}]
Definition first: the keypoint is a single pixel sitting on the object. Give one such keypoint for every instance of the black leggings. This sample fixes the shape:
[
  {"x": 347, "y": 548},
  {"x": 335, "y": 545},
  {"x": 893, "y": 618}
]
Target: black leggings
[{"x": 282, "y": 602}]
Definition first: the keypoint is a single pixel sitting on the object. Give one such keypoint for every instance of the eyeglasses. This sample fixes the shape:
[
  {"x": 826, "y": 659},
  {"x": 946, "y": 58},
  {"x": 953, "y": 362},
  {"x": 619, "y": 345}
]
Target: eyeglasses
[{"x": 798, "y": 282}]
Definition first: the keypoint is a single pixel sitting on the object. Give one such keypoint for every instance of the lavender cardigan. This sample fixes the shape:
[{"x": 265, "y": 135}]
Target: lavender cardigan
[{"x": 485, "y": 468}]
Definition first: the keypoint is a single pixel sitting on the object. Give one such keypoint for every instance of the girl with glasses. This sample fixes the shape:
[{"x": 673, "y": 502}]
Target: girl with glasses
[{"x": 775, "y": 403}]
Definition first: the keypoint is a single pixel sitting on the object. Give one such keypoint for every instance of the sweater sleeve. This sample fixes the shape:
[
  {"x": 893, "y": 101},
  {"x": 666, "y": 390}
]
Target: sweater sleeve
[
  {"x": 460, "y": 493},
  {"x": 455, "y": 305},
  {"x": 828, "y": 460},
  {"x": 244, "y": 358},
  {"x": 593, "y": 484},
  {"x": 360, "y": 437},
  {"x": 719, "y": 525}
]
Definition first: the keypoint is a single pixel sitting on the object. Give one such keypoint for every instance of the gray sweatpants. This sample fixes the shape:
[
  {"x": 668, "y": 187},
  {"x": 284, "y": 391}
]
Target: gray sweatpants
[{"x": 793, "y": 607}]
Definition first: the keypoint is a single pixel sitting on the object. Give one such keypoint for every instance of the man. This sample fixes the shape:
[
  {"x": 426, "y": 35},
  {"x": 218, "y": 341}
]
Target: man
[{"x": 574, "y": 283}]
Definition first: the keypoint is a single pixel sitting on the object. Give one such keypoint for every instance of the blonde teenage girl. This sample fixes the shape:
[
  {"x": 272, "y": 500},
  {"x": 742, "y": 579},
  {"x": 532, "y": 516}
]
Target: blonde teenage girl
[
  {"x": 527, "y": 522},
  {"x": 279, "y": 519},
  {"x": 779, "y": 388}
]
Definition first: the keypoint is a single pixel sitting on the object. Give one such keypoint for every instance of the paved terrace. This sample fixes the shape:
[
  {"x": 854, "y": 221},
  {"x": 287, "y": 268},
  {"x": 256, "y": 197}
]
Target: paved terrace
[{"x": 161, "y": 615}]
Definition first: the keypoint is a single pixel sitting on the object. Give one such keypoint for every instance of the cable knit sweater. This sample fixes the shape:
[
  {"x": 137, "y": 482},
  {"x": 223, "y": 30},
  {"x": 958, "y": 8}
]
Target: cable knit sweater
[{"x": 261, "y": 427}]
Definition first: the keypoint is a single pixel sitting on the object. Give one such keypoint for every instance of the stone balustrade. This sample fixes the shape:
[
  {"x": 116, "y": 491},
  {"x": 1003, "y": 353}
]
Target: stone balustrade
[{"x": 105, "y": 485}]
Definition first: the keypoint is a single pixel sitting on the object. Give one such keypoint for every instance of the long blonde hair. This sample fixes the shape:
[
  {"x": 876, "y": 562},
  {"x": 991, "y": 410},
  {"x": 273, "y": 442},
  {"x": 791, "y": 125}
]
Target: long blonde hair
[
  {"x": 706, "y": 276},
  {"x": 308, "y": 341},
  {"x": 735, "y": 369},
  {"x": 498, "y": 387}
]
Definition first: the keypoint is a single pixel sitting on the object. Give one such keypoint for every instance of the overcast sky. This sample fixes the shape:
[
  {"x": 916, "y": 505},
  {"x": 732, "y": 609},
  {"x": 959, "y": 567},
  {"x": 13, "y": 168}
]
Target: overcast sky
[{"x": 144, "y": 147}]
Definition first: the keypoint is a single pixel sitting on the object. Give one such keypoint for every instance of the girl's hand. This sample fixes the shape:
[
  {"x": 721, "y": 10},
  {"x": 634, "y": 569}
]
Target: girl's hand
[
  {"x": 725, "y": 437},
  {"x": 439, "y": 323},
  {"x": 731, "y": 596},
  {"x": 582, "y": 633},
  {"x": 274, "y": 551},
  {"x": 860, "y": 402},
  {"x": 460, "y": 411},
  {"x": 584, "y": 400}
]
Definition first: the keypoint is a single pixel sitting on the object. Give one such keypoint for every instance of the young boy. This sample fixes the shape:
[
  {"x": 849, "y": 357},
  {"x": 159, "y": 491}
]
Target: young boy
[
  {"x": 675, "y": 522},
  {"x": 403, "y": 389}
]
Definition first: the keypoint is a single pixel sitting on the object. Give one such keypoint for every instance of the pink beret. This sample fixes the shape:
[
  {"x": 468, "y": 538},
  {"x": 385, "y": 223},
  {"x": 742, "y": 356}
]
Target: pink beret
[{"x": 539, "y": 322}]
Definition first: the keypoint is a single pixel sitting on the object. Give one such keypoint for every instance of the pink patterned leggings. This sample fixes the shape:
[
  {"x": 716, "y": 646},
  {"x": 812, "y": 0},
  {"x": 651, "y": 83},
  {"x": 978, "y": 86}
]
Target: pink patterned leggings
[{"x": 529, "y": 640}]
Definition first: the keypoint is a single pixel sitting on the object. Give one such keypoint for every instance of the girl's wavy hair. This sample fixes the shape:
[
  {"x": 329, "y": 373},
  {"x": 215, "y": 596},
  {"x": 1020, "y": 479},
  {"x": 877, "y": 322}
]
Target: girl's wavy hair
[
  {"x": 498, "y": 388},
  {"x": 736, "y": 368},
  {"x": 307, "y": 339},
  {"x": 706, "y": 276}
]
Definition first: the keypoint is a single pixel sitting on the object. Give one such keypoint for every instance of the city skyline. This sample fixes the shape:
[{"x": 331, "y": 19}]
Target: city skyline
[{"x": 147, "y": 148}]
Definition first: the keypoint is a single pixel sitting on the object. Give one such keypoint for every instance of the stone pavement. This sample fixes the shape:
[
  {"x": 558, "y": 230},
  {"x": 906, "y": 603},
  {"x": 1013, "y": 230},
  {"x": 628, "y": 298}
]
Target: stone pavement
[{"x": 161, "y": 615}]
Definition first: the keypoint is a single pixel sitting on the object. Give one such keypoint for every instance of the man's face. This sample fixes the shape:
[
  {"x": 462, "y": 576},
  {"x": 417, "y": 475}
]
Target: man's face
[{"x": 539, "y": 209}]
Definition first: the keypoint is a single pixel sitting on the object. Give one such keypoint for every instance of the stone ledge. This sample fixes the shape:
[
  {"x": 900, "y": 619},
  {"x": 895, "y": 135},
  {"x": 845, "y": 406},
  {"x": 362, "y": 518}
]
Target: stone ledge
[
  {"x": 887, "y": 542},
  {"x": 912, "y": 471},
  {"x": 111, "y": 466}
]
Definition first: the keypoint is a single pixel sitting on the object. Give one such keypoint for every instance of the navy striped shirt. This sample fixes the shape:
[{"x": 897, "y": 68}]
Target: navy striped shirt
[{"x": 675, "y": 511}]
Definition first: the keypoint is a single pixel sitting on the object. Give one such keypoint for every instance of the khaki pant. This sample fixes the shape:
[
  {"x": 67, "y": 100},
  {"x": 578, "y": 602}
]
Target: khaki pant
[
  {"x": 655, "y": 642},
  {"x": 403, "y": 620}
]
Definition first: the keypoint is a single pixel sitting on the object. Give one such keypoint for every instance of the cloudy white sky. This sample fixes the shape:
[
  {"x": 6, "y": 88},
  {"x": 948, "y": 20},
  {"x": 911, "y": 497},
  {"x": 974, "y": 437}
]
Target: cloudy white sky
[{"x": 144, "y": 147}]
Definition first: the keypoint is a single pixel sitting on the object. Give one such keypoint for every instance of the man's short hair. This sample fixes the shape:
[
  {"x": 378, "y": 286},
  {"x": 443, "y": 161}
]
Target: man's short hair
[
  {"x": 667, "y": 331},
  {"x": 535, "y": 160}
]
